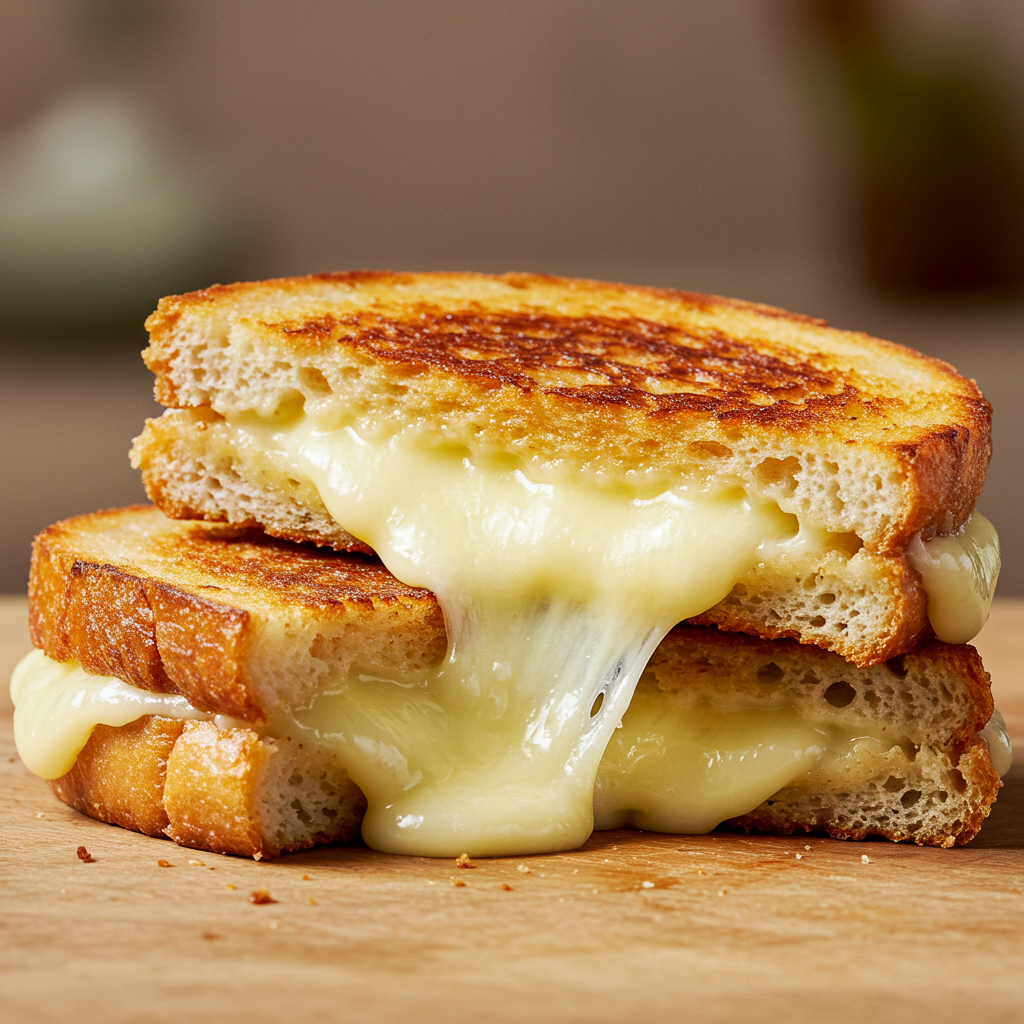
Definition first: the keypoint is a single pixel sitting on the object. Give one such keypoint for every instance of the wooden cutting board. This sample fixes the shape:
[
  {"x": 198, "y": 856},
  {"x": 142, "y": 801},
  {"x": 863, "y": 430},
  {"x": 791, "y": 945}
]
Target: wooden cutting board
[{"x": 634, "y": 926}]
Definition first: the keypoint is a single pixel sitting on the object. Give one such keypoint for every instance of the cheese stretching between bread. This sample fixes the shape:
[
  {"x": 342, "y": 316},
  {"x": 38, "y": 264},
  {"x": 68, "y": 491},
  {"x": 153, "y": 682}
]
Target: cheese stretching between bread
[{"x": 571, "y": 468}]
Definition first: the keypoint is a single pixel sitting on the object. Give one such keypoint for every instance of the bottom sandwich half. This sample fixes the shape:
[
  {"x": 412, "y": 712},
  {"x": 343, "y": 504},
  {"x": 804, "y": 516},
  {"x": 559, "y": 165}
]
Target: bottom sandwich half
[{"x": 186, "y": 671}]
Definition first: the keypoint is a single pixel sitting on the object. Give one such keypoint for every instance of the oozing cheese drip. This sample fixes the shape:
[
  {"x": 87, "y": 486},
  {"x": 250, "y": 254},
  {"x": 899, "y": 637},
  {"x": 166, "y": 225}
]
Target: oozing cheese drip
[
  {"x": 58, "y": 704},
  {"x": 959, "y": 575},
  {"x": 554, "y": 593}
]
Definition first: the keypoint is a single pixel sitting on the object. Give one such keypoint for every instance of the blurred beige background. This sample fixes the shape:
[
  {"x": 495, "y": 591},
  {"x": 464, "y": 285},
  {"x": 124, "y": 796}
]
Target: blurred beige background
[{"x": 688, "y": 144}]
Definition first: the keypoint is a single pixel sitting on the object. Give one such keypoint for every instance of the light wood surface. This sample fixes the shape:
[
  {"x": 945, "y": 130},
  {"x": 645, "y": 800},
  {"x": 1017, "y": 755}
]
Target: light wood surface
[{"x": 634, "y": 926}]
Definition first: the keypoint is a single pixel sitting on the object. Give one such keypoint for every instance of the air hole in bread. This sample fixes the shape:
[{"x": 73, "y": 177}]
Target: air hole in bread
[
  {"x": 872, "y": 698},
  {"x": 840, "y": 693},
  {"x": 910, "y": 797},
  {"x": 778, "y": 474},
  {"x": 709, "y": 448},
  {"x": 301, "y": 813},
  {"x": 314, "y": 382},
  {"x": 770, "y": 673},
  {"x": 817, "y": 621},
  {"x": 893, "y": 784},
  {"x": 897, "y": 666},
  {"x": 826, "y": 598},
  {"x": 810, "y": 679},
  {"x": 958, "y": 781}
]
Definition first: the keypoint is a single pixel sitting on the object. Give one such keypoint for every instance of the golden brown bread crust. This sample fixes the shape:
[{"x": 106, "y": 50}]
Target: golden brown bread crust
[
  {"x": 181, "y": 607},
  {"x": 120, "y": 773},
  {"x": 592, "y": 372},
  {"x": 211, "y": 789}
]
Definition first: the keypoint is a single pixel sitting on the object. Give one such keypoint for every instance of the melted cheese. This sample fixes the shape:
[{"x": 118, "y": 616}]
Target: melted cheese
[
  {"x": 670, "y": 767},
  {"x": 555, "y": 592},
  {"x": 996, "y": 735},
  {"x": 686, "y": 768},
  {"x": 959, "y": 576},
  {"x": 58, "y": 704}
]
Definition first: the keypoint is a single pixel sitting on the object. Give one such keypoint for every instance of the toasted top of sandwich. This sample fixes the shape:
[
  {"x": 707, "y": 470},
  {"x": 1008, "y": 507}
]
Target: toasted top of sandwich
[{"x": 617, "y": 382}]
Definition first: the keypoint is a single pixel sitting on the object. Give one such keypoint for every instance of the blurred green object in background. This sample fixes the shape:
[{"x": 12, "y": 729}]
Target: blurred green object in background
[
  {"x": 100, "y": 215},
  {"x": 941, "y": 173}
]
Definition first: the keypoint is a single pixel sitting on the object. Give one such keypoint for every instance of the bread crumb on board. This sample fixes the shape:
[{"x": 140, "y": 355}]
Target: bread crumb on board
[
  {"x": 463, "y": 861},
  {"x": 85, "y": 856},
  {"x": 260, "y": 896},
  {"x": 164, "y": 864}
]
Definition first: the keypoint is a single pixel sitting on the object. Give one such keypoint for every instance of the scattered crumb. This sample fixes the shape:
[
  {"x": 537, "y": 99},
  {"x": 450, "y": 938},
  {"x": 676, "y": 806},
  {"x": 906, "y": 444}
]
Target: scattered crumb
[
  {"x": 39, "y": 814},
  {"x": 463, "y": 861},
  {"x": 522, "y": 869},
  {"x": 11, "y": 760},
  {"x": 85, "y": 856},
  {"x": 257, "y": 855},
  {"x": 312, "y": 902},
  {"x": 213, "y": 869},
  {"x": 575, "y": 871},
  {"x": 261, "y": 896},
  {"x": 806, "y": 847},
  {"x": 799, "y": 856},
  {"x": 272, "y": 924},
  {"x": 210, "y": 936},
  {"x": 458, "y": 882},
  {"x": 506, "y": 886},
  {"x": 595, "y": 892},
  {"x": 164, "y": 864},
  {"x": 700, "y": 871},
  {"x": 722, "y": 892},
  {"x": 305, "y": 878},
  {"x": 561, "y": 899},
  {"x": 429, "y": 882},
  {"x": 197, "y": 863},
  {"x": 865, "y": 859},
  {"x": 230, "y": 886},
  {"x": 646, "y": 885}
]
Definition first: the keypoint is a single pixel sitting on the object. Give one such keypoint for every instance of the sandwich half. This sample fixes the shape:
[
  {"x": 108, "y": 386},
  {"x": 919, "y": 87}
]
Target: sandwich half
[
  {"x": 572, "y": 468},
  {"x": 247, "y": 695}
]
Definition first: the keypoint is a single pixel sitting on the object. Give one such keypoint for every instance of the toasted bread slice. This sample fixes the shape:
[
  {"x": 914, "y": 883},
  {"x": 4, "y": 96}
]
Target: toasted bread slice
[
  {"x": 134, "y": 578},
  {"x": 864, "y": 440},
  {"x": 237, "y": 622},
  {"x": 861, "y": 435},
  {"x": 226, "y": 790}
]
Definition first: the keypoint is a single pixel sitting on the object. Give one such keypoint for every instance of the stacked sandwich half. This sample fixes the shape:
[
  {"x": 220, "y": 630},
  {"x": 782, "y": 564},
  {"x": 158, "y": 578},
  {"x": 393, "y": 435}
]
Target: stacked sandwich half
[{"x": 425, "y": 543}]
